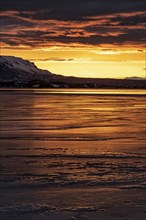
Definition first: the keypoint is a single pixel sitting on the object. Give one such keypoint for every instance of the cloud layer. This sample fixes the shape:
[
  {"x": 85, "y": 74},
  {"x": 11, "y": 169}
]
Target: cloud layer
[{"x": 40, "y": 24}]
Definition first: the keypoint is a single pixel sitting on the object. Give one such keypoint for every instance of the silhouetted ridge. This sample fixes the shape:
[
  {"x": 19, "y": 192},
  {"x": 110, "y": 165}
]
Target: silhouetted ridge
[{"x": 17, "y": 72}]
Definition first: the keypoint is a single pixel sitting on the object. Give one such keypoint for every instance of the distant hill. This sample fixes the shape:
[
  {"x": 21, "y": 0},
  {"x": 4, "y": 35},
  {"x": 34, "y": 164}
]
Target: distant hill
[
  {"x": 17, "y": 72},
  {"x": 135, "y": 78}
]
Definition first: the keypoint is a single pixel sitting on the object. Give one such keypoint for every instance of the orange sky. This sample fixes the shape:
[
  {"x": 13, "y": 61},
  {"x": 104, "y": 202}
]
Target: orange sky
[
  {"x": 87, "y": 61},
  {"x": 84, "y": 42}
]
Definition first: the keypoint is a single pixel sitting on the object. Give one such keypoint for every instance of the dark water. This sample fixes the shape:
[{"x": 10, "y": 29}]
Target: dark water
[{"x": 72, "y": 138}]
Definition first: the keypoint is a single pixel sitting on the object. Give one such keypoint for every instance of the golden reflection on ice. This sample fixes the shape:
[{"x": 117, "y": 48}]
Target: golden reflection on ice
[
  {"x": 94, "y": 91},
  {"x": 65, "y": 145}
]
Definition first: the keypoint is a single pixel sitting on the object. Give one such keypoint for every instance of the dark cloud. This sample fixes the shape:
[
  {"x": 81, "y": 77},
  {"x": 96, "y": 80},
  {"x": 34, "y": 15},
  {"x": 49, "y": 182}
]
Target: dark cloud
[
  {"x": 8, "y": 22},
  {"x": 129, "y": 21},
  {"x": 32, "y": 38},
  {"x": 52, "y": 59},
  {"x": 39, "y": 23},
  {"x": 73, "y": 9}
]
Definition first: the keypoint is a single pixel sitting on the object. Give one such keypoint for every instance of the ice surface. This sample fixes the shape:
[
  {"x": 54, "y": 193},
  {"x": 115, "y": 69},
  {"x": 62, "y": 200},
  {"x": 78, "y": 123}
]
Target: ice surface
[{"x": 76, "y": 157}]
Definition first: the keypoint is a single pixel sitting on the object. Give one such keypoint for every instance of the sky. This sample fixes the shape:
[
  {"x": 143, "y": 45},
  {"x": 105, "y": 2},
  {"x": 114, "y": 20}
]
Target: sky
[{"x": 85, "y": 38}]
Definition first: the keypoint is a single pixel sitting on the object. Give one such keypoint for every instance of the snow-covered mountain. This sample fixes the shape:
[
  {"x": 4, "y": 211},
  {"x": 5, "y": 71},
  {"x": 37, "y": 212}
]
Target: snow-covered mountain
[
  {"x": 17, "y": 72},
  {"x": 20, "y": 71}
]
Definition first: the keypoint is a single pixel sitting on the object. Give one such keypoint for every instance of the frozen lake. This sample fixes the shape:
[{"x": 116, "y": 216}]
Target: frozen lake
[{"x": 64, "y": 150}]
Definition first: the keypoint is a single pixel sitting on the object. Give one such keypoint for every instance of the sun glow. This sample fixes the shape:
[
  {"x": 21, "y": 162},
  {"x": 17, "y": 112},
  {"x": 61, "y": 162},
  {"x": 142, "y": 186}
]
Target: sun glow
[
  {"x": 93, "y": 45},
  {"x": 89, "y": 61}
]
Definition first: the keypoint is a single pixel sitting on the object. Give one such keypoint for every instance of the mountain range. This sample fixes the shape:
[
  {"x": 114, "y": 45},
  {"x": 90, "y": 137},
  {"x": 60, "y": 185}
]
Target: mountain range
[{"x": 17, "y": 72}]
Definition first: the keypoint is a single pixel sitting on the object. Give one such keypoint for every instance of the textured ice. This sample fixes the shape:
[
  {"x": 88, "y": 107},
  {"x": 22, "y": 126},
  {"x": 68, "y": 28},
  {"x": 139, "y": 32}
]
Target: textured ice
[{"x": 76, "y": 155}]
